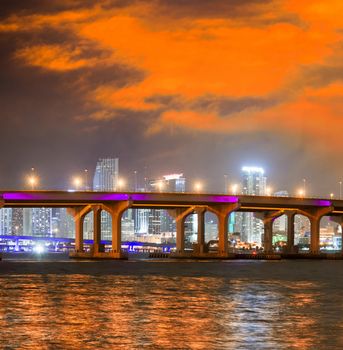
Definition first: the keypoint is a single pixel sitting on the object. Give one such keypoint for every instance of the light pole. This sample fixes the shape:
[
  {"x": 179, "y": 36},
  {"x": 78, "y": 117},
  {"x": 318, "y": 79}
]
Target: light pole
[
  {"x": 304, "y": 186},
  {"x": 86, "y": 179},
  {"x": 340, "y": 190},
  {"x": 136, "y": 182},
  {"x": 32, "y": 180},
  {"x": 226, "y": 189}
]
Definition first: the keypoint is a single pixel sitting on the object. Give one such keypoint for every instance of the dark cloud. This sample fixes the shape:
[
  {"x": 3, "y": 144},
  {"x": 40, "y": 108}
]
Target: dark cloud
[
  {"x": 322, "y": 75},
  {"x": 210, "y": 9},
  {"x": 225, "y": 106}
]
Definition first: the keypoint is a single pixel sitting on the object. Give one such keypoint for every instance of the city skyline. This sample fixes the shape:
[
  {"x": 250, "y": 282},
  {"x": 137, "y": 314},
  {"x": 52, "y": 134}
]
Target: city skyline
[{"x": 215, "y": 86}]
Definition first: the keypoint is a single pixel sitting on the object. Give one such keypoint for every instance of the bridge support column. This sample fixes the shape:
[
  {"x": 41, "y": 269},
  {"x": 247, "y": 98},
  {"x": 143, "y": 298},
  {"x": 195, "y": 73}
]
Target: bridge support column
[
  {"x": 223, "y": 235},
  {"x": 223, "y": 211},
  {"x": 315, "y": 216},
  {"x": 116, "y": 210},
  {"x": 315, "y": 234},
  {"x": 268, "y": 236},
  {"x": 339, "y": 220},
  {"x": 201, "y": 230},
  {"x": 180, "y": 214},
  {"x": 290, "y": 231},
  {"x": 79, "y": 213},
  {"x": 180, "y": 235},
  {"x": 79, "y": 234},
  {"x": 268, "y": 219},
  {"x": 96, "y": 229}
]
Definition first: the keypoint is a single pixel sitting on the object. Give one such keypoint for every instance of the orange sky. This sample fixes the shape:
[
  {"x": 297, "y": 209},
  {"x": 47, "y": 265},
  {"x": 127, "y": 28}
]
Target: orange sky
[
  {"x": 262, "y": 55},
  {"x": 236, "y": 67}
]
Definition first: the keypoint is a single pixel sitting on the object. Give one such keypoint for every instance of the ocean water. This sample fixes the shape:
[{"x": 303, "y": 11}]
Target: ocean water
[{"x": 56, "y": 303}]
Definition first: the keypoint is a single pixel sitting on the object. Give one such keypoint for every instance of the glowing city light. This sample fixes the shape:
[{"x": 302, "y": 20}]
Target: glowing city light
[
  {"x": 77, "y": 182},
  {"x": 121, "y": 183},
  {"x": 39, "y": 249},
  {"x": 301, "y": 193},
  {"x": 253, "y": 169},
  {"x": 160, "y": 186},
  {"x": 331, "y": 195},
  {"x": 234, "y": 189},
  {"x": 198, "y": 186},
  {"x": 269, "y": 191}
]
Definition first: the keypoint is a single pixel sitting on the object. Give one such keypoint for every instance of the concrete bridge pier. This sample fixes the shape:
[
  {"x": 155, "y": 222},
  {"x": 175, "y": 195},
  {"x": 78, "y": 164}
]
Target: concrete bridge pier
[
  {"x": 339, "y": 220},
  {"x": 200, "y": 247},
  {"x": 290, "y": 231},
  {"x": 223, "y": 212},
  {"x": 180, "y": 214},
  {"x": 79, "y": 213},
  {"x": 268, "y": 219},
  {"x": 97, "y": 252},
  {"x": 315, "y": 216}
]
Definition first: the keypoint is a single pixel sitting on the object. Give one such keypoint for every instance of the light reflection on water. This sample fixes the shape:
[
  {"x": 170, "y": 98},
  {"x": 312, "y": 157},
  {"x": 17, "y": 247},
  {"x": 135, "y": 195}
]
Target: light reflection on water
[{"x": 75, "y": 311}]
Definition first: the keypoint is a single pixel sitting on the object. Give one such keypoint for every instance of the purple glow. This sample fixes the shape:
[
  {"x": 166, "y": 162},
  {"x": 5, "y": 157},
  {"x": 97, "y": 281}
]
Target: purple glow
[
  {"x": 110, "y": 197},
  {"x": 322, "y": 203},
  {"x": 223, "y": 199},
  {"x": 23, "y": 196},
  {"x": 140, "y": 197}
]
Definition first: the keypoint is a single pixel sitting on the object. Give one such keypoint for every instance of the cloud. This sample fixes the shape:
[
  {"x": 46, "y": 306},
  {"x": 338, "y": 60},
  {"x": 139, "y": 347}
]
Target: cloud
[{"x": 216, "y": 67}]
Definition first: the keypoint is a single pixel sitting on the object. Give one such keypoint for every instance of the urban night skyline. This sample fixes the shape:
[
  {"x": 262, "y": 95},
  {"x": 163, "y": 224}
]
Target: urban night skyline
[{"x": 172, "y": 86}]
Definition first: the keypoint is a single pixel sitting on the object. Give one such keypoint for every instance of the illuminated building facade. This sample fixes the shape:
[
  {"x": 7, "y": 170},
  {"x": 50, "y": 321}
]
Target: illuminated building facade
[
  {"x": 105, "y": 179},
  {"x": 254, "y": 183}
]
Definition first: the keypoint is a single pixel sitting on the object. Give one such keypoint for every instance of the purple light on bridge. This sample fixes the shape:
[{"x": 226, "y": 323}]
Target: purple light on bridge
[
  {"x": 322, "y": 203},
  {"x": 22, "y": 196},
  {"x": 111, "y": 197},
  {"x": 223, "y": 199},
  {"x": 140, "y": 197}
]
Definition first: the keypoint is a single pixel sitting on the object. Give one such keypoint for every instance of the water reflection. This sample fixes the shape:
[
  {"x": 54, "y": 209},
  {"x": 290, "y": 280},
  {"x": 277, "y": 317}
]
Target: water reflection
[{"x": 162, "y": 312}]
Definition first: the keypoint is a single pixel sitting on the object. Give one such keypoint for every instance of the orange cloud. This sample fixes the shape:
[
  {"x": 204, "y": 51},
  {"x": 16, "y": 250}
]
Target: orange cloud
[
  {"x": 263, "y": 56},
  {"x": 53, "y": 57}
]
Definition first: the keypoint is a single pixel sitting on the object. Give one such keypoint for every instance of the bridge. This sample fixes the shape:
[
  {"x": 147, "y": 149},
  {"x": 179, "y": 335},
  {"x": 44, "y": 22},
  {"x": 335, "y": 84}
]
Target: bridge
[{"x": 179, "y": 206}]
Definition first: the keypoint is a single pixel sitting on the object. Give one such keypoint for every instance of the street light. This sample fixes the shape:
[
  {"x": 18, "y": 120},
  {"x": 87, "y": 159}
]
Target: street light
[
  {"x": 340, "y": 190},
  {"x": 121, "y": 184},
  {"x": 86, "y": 179},
  {"x": 77, "y": 183},
  {"x": 32, "y": 179},
  {"x": 234, "y": 188},
  {"x": 268, "y": 191},
  {"x": 197, "y": 186},
  {"x": 331, "y": 195},
  {"x": 301, "y": 193},
  {"x": 160, "y": 185}
]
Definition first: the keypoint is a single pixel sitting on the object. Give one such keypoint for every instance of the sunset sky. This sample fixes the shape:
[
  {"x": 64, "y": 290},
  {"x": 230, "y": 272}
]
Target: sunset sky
[{"x": 200, "y": 87}]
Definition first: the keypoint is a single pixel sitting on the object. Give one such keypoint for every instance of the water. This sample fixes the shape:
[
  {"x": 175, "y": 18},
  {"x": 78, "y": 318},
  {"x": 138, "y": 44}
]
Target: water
[{"x": 55, "y": 303}]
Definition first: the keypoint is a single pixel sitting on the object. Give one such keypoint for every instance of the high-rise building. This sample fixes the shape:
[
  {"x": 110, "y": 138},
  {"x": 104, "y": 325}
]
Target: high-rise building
[
  {"x": 106, "y": 179},
  {"x": 17, "y": 221},
  {"x": 158, "y": 219},
  {"x": 5, "y": 221},
  {"x": 253, "y": 183},
  {"x": 41, "y": 222},
  {"x": 280, "y": 224},
  {"x": 106, "y": 174}
]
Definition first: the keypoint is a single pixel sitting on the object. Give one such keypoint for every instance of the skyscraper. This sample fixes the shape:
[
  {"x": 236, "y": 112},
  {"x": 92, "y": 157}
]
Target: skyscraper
[
  {"x": 253, "y": 183},
  {"x": 106, "y": 179},
  {"x": 106, "y": 174},
  {"x": 5, "y": 221},
  {"x": 158, "y": 219}
]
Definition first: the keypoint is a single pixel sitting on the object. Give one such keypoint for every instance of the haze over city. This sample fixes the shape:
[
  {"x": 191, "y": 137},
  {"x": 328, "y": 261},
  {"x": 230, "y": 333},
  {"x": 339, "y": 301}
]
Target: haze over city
[{"x": 197, "y": 87}]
